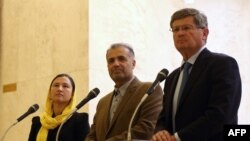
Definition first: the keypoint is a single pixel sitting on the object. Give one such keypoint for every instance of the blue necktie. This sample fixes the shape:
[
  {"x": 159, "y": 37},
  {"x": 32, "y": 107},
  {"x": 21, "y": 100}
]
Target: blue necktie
[{"x": 185, "y": 75}]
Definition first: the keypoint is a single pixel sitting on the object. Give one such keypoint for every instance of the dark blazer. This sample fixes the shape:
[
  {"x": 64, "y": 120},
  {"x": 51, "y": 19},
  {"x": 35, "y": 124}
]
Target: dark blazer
[
  {"x": 143, "y": 123},
  {"x": 75, "y": 129},
  {"x": 211, "y": 98}
]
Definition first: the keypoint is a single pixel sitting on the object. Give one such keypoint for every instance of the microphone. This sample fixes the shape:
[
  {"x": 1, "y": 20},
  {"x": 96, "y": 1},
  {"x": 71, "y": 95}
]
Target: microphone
[
  {"x": 31, "y": 110},
  {"x": 160, "y": 77},
  {"x": 92, "y": 94}
]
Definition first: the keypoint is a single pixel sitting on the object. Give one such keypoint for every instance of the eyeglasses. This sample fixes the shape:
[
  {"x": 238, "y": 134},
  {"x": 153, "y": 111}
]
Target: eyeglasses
[{"x": 184, "y": 28}]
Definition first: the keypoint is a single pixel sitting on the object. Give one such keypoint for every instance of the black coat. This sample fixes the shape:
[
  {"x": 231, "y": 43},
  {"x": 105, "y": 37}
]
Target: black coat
[
  {"x": 75, "y": 129},
  {"x": 210, "y": 99}
]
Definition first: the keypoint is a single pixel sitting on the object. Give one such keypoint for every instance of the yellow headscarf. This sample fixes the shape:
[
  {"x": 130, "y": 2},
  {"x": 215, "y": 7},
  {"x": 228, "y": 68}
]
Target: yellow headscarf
[{"x": 49, "y": 122}]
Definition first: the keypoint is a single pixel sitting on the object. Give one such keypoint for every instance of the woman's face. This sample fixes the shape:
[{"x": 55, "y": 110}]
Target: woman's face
[{"x": 61, "y": 90}]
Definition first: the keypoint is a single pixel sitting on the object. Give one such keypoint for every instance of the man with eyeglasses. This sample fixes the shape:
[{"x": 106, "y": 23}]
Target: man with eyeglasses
[{"x": 198, "y": 109}]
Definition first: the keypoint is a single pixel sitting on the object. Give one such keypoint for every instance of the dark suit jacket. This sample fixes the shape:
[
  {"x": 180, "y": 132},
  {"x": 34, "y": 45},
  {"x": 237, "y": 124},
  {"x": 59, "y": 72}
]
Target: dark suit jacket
[
  {"x": 143, "y": 123},
  {"x": 75, "y": 129},
  {"x": 210, "y": 99}
]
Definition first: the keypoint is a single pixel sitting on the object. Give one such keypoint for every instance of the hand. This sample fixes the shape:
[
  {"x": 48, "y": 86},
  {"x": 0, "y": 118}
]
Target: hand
[{"x": 163, "y": 135}]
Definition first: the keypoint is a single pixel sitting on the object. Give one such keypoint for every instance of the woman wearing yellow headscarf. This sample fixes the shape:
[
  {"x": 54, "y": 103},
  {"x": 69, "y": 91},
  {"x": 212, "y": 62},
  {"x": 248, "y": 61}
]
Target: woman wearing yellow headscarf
[{"x": 59, "y": 105}]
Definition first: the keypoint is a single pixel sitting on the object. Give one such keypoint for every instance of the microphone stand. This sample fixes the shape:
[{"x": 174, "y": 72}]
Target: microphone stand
[
  {"x": 60, "y": 127},
  {"x": 160, "y": 77},
  {"x": 8, "y": 130},
  {"x": 133, "y": 116},
  {"x": 92, "y": 94}
]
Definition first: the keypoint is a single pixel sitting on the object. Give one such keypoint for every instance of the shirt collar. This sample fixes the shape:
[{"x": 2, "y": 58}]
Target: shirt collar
[
  {"x": 193, "y": 58},
  {"x": 124, "y": 87}
]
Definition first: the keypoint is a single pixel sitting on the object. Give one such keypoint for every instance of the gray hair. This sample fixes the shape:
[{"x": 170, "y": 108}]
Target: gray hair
[
  {"x": 200, "y": 19},
  {"x": 116, "y": 45}
]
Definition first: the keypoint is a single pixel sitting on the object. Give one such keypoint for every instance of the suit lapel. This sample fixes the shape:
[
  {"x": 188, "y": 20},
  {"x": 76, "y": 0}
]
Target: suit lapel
[
  {"x": 173, "y": 86},
  {"x": 197, "y": 69},
  {"x": 107, "y": 109},
  {"x": 126, "y": 98}
]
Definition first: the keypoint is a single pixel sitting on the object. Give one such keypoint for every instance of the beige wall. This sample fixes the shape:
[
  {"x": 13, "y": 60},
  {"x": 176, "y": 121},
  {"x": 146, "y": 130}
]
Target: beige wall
[{"x": 40, "y": 38}]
